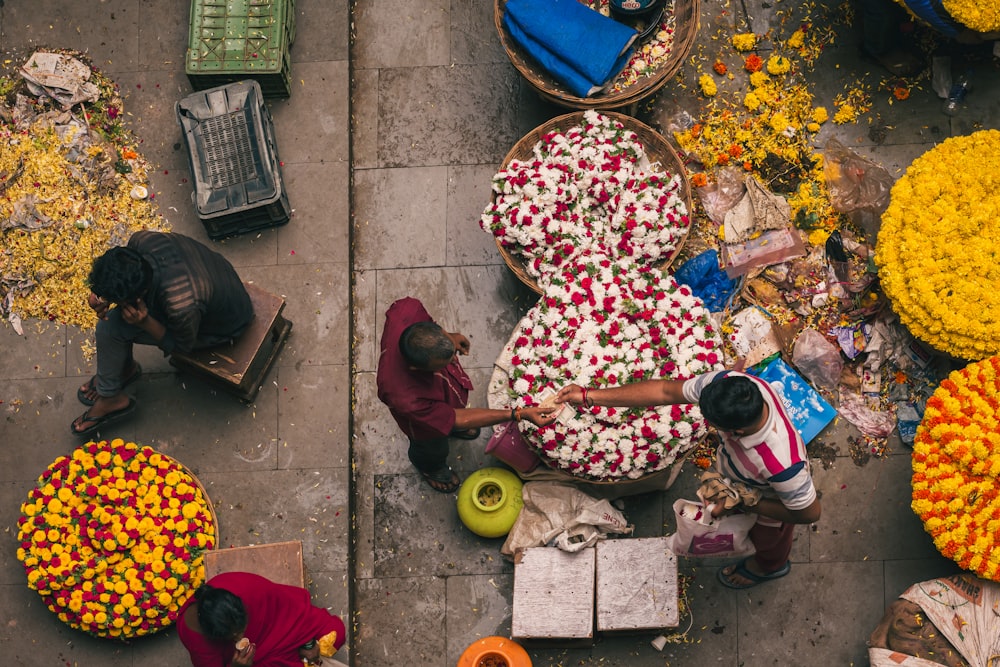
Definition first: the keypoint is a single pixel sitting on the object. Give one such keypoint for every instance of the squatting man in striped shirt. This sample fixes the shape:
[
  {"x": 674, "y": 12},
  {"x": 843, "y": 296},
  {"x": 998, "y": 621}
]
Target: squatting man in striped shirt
[
  {"x": 759, "y": 447},
  {"x": 161, "y": 289}
]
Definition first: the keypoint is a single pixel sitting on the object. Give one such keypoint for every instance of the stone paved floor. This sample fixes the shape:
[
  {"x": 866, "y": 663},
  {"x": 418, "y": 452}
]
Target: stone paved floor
[{"x": 399, "y": 115}]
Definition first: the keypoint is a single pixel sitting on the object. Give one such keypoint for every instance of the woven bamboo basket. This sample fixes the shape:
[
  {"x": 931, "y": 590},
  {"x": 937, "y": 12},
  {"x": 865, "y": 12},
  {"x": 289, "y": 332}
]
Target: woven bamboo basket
[
  {"x": 686, "y": 13},
  {"x": 657, "y": 148}
]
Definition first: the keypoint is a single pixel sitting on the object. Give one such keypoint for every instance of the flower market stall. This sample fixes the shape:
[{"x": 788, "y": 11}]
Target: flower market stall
[
  {"x": 587, "y": 213},
  {"x": 112, "y": 537},
  {"x": 936, "y": 250}
]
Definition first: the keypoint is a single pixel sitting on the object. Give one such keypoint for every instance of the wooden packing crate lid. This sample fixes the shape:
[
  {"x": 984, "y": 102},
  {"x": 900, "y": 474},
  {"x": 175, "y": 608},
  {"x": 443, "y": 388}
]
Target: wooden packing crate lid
[
  {"x": 553, "y": 595},
  {"x": 280, "y": 562},
  {"x": 636, "y": 584}
]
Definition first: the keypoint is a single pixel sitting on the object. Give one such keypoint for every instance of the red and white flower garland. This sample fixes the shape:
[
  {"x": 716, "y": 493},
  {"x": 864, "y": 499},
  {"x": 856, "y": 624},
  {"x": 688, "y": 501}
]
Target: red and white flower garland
[
  {"x": 604, "y": 324},
  {"x": 591, "y": 188}
]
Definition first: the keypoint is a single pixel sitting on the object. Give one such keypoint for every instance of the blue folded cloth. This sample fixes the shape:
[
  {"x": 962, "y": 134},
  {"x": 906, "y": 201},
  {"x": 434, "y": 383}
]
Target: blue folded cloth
[{"x": 578, "y": 46}]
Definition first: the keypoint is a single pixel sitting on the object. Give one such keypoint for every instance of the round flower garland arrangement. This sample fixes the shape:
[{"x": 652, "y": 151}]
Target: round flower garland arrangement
[
  {"x": 956, "y": 466},
  {"x": 936, "y": 248},
  {"x": 977, "y": 15},
  {"x": 113, "y": 536},
  {"x": 586, "y": 189},
  {"x": 603, "y": 323}
]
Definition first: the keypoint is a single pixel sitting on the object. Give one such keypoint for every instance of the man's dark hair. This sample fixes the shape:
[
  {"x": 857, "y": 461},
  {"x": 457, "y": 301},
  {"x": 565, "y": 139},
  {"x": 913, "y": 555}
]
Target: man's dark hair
[
  {"x": 221, "y": 614},
  {"x": 425, "y": 342},
  {"x": 731, "y": 402},
  {"x": 120, "y": 275}
]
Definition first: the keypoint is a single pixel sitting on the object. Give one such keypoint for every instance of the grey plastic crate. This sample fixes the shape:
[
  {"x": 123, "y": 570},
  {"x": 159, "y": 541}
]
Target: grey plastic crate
[{"x": 234, "y": 159}]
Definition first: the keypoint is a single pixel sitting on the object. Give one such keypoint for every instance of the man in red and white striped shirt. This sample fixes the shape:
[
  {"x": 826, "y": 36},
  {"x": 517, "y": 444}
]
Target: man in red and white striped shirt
[{"x": 760, "y": 447}]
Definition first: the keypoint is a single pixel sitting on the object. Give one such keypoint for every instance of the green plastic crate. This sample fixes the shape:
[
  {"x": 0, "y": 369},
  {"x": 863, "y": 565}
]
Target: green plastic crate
[{"x": 241, "y": 39}]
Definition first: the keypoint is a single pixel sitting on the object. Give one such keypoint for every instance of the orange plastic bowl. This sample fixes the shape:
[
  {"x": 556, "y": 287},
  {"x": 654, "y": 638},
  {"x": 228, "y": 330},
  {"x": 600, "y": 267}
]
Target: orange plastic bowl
[{"x": 495, "y": 652}]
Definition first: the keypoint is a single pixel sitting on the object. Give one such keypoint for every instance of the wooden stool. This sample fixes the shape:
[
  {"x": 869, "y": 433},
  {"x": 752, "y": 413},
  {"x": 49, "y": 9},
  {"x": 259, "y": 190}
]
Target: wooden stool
[
  {"x": 239, "y": 367},
  {"x": 280, "y": 562}
]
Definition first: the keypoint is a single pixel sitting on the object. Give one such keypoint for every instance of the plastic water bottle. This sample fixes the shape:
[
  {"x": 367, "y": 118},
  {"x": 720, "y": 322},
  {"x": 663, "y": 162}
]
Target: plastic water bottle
[{"x": 956, "y": 96}]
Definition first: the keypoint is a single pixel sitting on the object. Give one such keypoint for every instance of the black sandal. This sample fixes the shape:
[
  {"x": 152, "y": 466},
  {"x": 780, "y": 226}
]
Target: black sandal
[
  {"x": 444, "y": 480},
  {"x": 466, "y": 434}
]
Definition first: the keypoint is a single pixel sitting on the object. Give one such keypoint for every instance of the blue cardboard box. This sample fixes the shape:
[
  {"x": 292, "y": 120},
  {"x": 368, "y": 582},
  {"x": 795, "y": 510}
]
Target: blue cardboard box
[{"x": 808, "y": 410}]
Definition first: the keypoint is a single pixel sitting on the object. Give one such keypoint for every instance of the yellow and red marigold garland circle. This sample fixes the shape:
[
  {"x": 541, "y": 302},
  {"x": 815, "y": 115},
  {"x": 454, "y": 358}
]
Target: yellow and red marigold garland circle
[
  {"x": 936, "y": 250},
  {"x": 112, "y": 537},
  {"x": 956, "y": 465}
]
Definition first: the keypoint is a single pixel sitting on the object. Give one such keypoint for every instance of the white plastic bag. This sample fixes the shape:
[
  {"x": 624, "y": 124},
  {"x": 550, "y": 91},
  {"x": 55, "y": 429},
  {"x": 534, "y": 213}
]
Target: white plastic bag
[
  {"x": 563, "y": 516},
  {"x": 699, "y": 535}
]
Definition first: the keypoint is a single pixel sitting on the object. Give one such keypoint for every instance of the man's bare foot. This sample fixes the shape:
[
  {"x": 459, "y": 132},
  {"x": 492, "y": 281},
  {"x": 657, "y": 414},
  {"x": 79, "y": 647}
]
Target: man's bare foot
[
  {"x": 87, "y": 393},
  {"x": 747, "y": 573}
]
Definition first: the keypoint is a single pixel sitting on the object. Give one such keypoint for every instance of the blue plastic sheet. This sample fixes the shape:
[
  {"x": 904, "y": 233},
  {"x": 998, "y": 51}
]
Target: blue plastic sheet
[
  {"x": 707, "y": 281},
  {"x": 578, "y": 46}
]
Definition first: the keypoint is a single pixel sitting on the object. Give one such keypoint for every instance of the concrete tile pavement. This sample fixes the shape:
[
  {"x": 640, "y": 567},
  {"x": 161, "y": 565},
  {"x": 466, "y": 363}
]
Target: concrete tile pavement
[
  {"x": 278, "y": 469},
  {"x": 414, "y": 104}
]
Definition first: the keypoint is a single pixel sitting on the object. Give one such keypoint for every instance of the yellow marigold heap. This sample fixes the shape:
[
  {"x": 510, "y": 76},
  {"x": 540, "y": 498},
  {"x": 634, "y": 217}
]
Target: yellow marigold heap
[
  {"x": 707, "y": 85},
  {"x": 744, "y": 41},
  {"x": 112, "y": 538},
  {"x": 773, "y": 117},
  {"x": 978, "y": 15},
  {"x": 936, "y": 250},
  {"x": 956, "y": 465}
]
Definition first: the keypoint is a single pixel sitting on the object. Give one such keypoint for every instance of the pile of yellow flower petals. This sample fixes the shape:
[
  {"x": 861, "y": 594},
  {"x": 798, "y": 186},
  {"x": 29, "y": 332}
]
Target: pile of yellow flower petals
[
  {"x": 938, "y": 252},
  {"x": 113, "y": 536},
  {"x": 770, "y": 116},
  {"x": 77, "y": 204},
  {"x": 956, "y": 468}
]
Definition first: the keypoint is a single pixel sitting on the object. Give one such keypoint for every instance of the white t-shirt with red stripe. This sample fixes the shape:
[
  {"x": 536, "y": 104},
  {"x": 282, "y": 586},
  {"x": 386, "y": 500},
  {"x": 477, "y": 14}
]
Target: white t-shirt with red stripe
[{"x": 773, "y": 459}]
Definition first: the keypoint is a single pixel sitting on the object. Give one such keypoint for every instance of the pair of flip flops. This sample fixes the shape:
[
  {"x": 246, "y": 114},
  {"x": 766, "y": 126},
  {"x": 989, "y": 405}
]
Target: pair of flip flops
[
  {"x": 103, "y": 420},
  {"x": 741, "y": 570},
  {"x": 81, "y": 395},
  {"x": 444, "y": 480}
]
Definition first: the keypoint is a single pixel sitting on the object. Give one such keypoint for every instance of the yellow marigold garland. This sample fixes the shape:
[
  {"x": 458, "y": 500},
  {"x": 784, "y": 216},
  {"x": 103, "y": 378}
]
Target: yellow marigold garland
[
  {"x": 937, "y": 248},
  {"x": 956, "y": 464},
  {"x": 113, "y": 536}
]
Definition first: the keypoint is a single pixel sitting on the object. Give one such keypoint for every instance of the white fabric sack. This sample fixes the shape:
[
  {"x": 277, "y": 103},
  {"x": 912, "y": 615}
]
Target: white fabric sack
[{"x": 699, "y": 535}]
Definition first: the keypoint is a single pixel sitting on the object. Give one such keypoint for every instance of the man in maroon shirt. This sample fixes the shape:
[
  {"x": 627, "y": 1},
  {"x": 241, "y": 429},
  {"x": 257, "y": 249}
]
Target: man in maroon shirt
[{"x": 422, "y": 382}]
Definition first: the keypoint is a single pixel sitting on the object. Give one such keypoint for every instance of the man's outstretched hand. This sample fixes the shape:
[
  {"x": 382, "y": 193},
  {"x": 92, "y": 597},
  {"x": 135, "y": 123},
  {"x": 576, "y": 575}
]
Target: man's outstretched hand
[
  {"x": 539, "y": 416},
  {"x": 571, "y": 393}
]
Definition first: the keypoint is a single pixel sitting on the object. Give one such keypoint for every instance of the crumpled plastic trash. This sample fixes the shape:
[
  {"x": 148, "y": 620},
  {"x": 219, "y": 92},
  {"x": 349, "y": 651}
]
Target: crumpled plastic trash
[
  {"x": 707, "y": 281},
  {"x": 759, "y": 210},
  {"x": 61, "y": 77},
  {"x": 875, "y": 424}
]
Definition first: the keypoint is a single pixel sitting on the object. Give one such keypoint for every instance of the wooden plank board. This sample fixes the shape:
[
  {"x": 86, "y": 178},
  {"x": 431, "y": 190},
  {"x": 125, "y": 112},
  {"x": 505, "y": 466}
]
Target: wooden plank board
[
  {"x": 280, "y": 562},
  {"x": 636, "y": 584},
  {"x": 553, "y": 594}
]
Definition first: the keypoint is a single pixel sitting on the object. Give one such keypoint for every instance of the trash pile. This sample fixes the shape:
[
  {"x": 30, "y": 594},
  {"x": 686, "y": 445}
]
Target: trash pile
[
  {"x": 783, "y": 255},
  {"x": 73, "y": 185}
]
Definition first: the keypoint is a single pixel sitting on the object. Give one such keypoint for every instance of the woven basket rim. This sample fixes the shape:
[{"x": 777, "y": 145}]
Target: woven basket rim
[
  {"x": 684, "y": 36},
  {"x": 658, "y": 149},
  {"x": 204, "y": 494}
]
